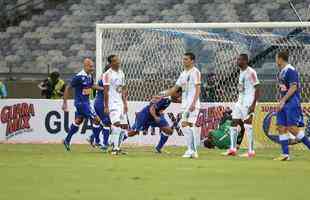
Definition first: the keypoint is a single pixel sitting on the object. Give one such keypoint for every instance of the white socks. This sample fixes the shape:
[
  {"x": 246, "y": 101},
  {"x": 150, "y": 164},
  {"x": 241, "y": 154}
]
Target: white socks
[
  {"x": 191, "y": 140},
  {"x": 233, "y": 137},
  {"x": 116, "y": 136},
  {"x": 249, "y": 133}
]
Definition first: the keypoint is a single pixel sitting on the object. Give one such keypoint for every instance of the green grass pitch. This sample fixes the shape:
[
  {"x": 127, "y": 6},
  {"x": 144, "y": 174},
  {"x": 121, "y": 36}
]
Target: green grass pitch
[{"x": 47, "y": 172}]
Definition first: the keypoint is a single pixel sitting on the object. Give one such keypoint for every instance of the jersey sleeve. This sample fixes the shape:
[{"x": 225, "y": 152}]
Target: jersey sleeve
[
  {"x": 76, "y": 80},
  {"x": 178, "y": 82},
  {"x": 106, "y": 79},
  {"x": 253, "y": 78},
  {"x": 292, "y": 77},
  {"x": 196, "y": 77}
]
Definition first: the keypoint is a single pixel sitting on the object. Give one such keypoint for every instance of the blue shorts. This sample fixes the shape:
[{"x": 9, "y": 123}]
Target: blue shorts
[
  {"x": 84, "y": 110},
  {"x": 290, "y": 116},
  {"x": 144, "y": 120},
  {"x": 105, "y": 119}
]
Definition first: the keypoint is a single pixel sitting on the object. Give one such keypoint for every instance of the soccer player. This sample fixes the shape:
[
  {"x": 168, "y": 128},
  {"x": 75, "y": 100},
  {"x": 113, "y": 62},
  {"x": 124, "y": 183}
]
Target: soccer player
[
  {"x": 243, "y": 110},
  {"x": 99, "y": 109},
  {"x": 152, "y": 115},
  {"x": 289, "y": 116},
  {"x": 115, "y": 102},
  {"x": 189, "y": 81},
  {"x": 83, "y": 84}
]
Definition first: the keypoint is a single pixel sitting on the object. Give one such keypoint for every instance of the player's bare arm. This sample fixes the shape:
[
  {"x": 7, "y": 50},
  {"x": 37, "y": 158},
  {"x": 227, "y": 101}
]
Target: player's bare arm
[
  {"x": 65, "y": 98},
  {"x": 124, "y": 98},
  {"x": 170, "y": 91},
  {"x": 106, "y": 98},
  {"x": 196, "y": 97},
  {"x": 256, "y": 97},
  {"x": 97, "y": 87}
]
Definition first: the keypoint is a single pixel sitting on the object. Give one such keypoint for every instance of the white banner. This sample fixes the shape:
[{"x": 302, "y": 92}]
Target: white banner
[{"x": 43, "y": 121}]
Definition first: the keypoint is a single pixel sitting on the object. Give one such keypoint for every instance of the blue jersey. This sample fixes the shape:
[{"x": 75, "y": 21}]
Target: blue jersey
[
  {"x": 144, "y": 119},
  {"x": 82, "y": 84},
  {"x": 100, "y": 95},
  {"x": 291, "y": 113},
  {"x": 159, "y": 105},
  {"x": 99, "y": 106},
  {"x": 288, "y": 76}
]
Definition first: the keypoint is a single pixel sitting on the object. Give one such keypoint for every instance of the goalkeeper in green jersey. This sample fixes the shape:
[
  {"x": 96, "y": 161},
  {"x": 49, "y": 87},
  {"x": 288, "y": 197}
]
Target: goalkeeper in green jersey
[{"x": 220, "y": 137}]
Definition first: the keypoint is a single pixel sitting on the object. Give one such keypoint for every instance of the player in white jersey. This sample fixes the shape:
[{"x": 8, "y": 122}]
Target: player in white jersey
[
  {"x": 189, "y": 81},
  {"x": 115, "y": 102},
  {"x": 243, "y": 110}
]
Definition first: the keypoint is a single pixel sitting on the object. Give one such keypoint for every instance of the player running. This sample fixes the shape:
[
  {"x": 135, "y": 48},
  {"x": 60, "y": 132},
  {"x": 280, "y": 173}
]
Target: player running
[
  {"x": 189, "y": 81},
  {"x": 83, "y": 84},
  {"x": 115, "y": 102},
  {"x": 99, "y": 109},
  {"x": 243, "y": 110},
  {"x": 289, "y": 116},
  {"x": 153, "y": 115}
]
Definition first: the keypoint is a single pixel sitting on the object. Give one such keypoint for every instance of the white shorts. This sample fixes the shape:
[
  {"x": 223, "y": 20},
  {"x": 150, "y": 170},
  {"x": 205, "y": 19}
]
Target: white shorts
[
  {"x": 117, "y": 115},
  {"x": 240, "y": 111},
  {"x": 190, "y": 117}
]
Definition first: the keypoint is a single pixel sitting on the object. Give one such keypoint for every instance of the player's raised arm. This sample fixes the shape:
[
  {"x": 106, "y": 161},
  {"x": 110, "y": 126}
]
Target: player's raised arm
[{"x": 170, "y": 91}]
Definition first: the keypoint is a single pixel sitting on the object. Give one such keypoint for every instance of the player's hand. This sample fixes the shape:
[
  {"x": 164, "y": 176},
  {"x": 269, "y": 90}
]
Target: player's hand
[
  {"x": 65, "y": 107},
  {"x": 106, "y": 110},
  {"x": 281, "y": 104},
  {"x": 125, "y": 109},
  {"x": 191, "y": 108}
]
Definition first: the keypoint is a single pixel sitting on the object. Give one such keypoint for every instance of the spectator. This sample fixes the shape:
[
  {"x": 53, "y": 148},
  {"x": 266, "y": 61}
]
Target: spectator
[
  {"x": 3, "y": 91},
  {"x": 52, "y": 87},
  {"x": 211, "y": 88}
]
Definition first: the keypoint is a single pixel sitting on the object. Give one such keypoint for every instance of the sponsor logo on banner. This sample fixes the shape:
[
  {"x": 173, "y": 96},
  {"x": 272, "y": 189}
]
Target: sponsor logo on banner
[
  {"x": 54, "y": 123},
  {"x": 268, "y": 125},
  {"x": 17, "y": 118}
]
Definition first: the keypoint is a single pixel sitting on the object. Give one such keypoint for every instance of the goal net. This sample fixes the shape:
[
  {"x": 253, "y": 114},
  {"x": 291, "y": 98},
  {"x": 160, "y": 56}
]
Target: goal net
[{"x": 151, "y": 55}]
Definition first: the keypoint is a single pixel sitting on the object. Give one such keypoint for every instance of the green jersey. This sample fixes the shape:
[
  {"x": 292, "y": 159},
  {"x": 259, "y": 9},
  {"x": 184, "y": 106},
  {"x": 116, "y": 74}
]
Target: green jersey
[{"x": 220, "y": 136}]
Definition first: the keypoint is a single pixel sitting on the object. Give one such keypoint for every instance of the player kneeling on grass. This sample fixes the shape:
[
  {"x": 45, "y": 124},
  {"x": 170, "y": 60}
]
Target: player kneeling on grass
[
  {"x": 289, "y": 116},
  {"x": 243, "y": 110},
  {"x": 83, "y": 84},
  {"x": 152, "y": 115}
]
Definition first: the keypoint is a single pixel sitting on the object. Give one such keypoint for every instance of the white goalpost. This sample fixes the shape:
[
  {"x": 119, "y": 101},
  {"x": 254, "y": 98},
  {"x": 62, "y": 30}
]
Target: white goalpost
[{"x": 151, "y": 53}]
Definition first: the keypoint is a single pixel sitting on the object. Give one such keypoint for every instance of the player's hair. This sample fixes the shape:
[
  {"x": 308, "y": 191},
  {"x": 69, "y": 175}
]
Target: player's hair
[
  {"x": 110, "y": 58},
  {"x": 284, "y": 55},
  {"x": 190, "y": 55},
  {"x": 245, "y": 56}
]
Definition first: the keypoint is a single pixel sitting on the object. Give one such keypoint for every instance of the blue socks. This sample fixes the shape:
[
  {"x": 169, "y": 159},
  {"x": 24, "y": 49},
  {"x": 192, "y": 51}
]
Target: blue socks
[
  {"x": 106, "y": 134},
  {"x": 162, "y": 141},
  {"x": 96, "y": 131},
  {"x": 73, "y": 129},
  {"x": 304, "y": 139},
  {"x": 284, "y": 144}
]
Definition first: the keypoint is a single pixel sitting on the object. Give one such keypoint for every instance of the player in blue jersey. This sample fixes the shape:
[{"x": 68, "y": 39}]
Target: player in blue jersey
[
  {"x": 99, "y": 109},
  {"x": 152, "y": 115},
  {"x": 82, "y": 83},
  {"x": 289, "y": 116}
]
